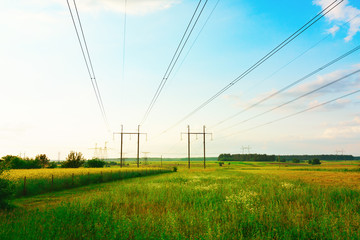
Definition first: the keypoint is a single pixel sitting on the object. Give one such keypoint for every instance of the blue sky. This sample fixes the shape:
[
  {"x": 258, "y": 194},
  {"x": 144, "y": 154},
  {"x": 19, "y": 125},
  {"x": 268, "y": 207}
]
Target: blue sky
[{"x": 48, "y": 104}]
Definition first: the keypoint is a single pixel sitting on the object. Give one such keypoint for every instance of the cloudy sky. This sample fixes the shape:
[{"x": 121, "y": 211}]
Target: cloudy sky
[{"x": 48, "y": 104}]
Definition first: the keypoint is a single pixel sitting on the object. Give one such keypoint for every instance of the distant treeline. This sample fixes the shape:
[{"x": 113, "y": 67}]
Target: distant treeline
[
  {"x": 247, "y": 157},
  {"x": 326, "y": 157},
  {"x": 282, "y": 158}
]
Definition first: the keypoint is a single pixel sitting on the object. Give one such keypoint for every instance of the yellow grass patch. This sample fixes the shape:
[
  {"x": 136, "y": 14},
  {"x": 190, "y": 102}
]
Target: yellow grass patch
[
  {"x": 17, "y": 174},
  {"x": 344, "y": 179}
]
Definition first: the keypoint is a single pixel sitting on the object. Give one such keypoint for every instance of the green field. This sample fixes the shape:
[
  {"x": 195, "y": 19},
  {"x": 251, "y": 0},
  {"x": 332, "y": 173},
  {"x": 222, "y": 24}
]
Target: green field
[{"x": 236, "y": 201}]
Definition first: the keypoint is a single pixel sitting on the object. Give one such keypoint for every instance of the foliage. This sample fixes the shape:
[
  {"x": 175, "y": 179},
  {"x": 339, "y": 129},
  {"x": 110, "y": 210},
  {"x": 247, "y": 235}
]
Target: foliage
[
  {"x": 325, "y": 157},
  {"x": 73, "y": 160},
  {"x": 283, "y": 158},
  {"x": 225, "y": 157},
  {"x": 52, "y": 165},
  {"x": 43, "y": 159},
  {"x": 15, "y": 162},
  {"x": 6, "y": 187},
  {"x": 221, "y": 163},
  {"x": 95, "y": 163},
  {"x": 247, "y": 157},
  {"x": 174, "y": 169},
  {"x": 314, "y": 161},
  {"x": 295, "y": 160}
]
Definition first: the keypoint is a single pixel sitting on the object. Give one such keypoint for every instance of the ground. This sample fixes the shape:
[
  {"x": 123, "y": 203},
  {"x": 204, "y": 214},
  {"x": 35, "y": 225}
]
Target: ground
[{"x": 236, "y": 201}]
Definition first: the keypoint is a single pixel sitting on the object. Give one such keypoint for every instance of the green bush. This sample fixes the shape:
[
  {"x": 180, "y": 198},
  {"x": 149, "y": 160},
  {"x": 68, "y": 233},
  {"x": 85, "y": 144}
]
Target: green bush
[
  {"x": 73, "y": 160},
  {"x": 43, "y": 160},
  {"x": 6, "y": 187},
  {"x": 174, "y": 169},
  {"x": 52, "y": 165},
  {"x": 314, "y": 161},
  {"x": 221, "y": 163},
  {"x": 295, "y": 160},
  {"x": 15, "y": 162},
  {"x": 95, "y": 163}
]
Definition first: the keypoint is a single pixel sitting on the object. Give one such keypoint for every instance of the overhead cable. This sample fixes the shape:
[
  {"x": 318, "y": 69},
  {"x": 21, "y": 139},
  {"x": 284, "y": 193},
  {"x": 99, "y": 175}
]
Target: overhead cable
[
  {"x": 291, "y": 84},
  {"x": 297, "y": 98},
  {"x": 175, "y": 58},
  {"x": 88, "y": 62},
  {"x": 315, "y": 19}
]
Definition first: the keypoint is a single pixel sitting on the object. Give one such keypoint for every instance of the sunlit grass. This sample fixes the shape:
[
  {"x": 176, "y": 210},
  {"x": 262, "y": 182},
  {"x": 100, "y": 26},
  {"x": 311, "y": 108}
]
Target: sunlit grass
[
  {"x": 37, "y": 181},
  {"x": 217, "y": 203}
]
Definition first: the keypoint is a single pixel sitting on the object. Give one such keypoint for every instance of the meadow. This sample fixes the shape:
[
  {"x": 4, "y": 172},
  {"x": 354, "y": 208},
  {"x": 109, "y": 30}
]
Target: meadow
[{"x": 243, "y": 200}]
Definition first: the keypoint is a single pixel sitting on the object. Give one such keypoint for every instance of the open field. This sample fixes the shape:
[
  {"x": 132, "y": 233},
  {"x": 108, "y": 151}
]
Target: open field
[{"x": 243, "y": 200}]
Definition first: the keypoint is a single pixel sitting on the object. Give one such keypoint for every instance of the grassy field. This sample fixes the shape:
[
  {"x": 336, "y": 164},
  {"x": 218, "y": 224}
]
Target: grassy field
[
  {"x": 37, "y": 181},
  {"x": 236, "y": 201}
]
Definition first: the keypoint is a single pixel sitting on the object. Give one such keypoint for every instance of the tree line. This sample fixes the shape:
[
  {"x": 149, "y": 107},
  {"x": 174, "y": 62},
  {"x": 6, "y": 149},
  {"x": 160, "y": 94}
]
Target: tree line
[
  {"x": 247, "y": 157},
  {"x": 282, "y": 158},
  {"x": 73, "y": 160}
]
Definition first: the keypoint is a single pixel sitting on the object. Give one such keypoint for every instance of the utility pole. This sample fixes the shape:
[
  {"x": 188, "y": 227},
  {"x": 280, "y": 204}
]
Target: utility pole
[
  {"x": 339, "y": 151},
  {"x": 96, "y": 151},
  {"x": 105, "y": 151},
  {"x": 204, "y": 133},
  {"x": 248, "y": 152},
  {"x": 122, "y": 133},
  {"x": 189, "y": 146},
  {"x": 145, "y": 157}
]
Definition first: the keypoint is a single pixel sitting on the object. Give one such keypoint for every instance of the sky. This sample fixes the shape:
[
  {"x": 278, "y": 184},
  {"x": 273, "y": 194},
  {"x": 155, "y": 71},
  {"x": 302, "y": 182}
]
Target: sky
[{"x": 48, "y": 104}]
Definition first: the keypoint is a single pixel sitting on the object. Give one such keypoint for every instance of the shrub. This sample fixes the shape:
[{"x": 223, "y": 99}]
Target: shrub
[
  {"x": 295, "y": 160},
  {"x": 15, "y": 162},
  {"x": 314, "y": 161},
  {"x": 95, "y": 163},
  {"x": 73, "y": 160},
  {"x": 52, "y": 165},
  {"x": 6, "y": 188},
  {"x": 43, "y": 160},
  {"x": 174, "y": 169},
  {"x": 221, "y": 163}
]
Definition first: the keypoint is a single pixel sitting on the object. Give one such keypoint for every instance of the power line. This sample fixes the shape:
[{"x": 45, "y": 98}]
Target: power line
[
  {"x": 174, "y": 59},
  {"x": 197, "y": 36},
  {"x": 291, "y": 85},
  {"x": 124, "y": 42},
  {"x": 297, "y": 98},
  {"x": 88, "y": 62},
  {"x": 263, "y": 59},
  {"x": 297, "y": 113},
  {"x": 298, "y": 56},
  {"x": 92, "y": 68}
]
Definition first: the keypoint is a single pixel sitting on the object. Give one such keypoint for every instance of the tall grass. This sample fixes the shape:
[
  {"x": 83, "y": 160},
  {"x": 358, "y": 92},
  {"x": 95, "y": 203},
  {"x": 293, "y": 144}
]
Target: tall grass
[
  {"x": 221, "y": 204},
  {"x": 49, "y": 183}
]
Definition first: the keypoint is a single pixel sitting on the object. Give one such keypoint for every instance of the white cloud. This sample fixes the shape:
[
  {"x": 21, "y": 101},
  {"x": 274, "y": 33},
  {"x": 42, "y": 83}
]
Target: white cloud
[
  {"x": 343, "y": 13},
  {"x": 346, "y": 129},
  {"x": 333, "y": 30},
  {"x": 346, "y": 84}
]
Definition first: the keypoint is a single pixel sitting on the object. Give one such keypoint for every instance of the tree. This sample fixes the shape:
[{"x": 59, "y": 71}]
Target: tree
[
  {"x": 43, "y": 159},
  {"x": 52, "y": 165},
  {"x": 13, "y": 162},
  {"x": 295, "y": 160},
  {"x": 95, "y": 163},
  {"x": 73, "y": 160},
  {"x": 225, "y": 157},
  {"x": 314, "y": 161}
]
